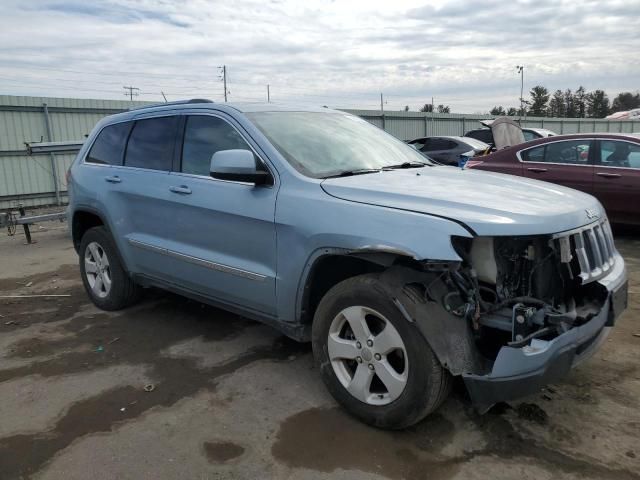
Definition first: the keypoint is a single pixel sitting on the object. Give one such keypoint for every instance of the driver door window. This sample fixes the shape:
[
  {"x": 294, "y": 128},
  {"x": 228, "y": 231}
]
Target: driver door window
[
  {"x": 617, "y": 179},
  {"x": 203, "y": 136},
  {"x": 614, "y": 153}
]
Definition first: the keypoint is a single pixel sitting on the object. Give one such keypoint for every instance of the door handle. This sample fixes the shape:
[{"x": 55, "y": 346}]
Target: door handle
[
  {"x": 182, "y": 189},
  {"x": 609, "y": 175},
  {"x": 113, "y": 179},
  {"x": 537, "y": 169}
]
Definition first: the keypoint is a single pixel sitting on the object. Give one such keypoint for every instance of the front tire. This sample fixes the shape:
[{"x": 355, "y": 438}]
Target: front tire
[
  {"x": 104, "y": 278},
  {"x": 374, "y": 362}
]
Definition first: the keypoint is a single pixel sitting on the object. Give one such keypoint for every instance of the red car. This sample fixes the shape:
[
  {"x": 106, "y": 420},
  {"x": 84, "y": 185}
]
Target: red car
[{"x": 606, "y": 165}]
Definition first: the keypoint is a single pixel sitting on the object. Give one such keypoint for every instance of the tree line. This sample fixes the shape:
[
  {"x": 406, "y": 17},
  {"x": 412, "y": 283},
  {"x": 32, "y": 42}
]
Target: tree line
[
  {"x": 429, "y": 108},
  {"x": 571, "y": 104}
]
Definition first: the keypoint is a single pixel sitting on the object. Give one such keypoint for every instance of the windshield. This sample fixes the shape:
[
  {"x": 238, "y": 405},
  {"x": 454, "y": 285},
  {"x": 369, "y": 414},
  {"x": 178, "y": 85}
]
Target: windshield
[{"x": 321, "y": 144}]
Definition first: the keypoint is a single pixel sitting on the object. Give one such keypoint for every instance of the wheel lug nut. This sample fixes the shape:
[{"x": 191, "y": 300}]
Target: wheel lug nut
[
  {"x": 358, "y": 345},
  {"x": 370, "y": 343},
  {"x": 359, "y": 359},
  {"x": 377, "y": 356},
  {"x": 370, "y": 366}
]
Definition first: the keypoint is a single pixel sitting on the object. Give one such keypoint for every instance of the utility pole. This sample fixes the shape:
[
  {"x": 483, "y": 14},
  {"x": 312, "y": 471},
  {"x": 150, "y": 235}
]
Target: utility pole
[
  {"x": 431, "y": 104},
  {"x": 223, "y": 77},
  {"x": 381, "y": 104},
  {"x": 520, "y": 69},
  {"x": 131, "y": 92},
  {"x": 268, "y": 94}
]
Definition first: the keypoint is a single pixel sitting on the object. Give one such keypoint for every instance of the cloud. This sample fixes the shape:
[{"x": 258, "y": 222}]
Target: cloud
[{"x": 341, "y": 54}]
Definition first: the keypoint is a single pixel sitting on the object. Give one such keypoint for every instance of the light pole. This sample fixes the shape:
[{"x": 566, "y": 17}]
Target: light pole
[{"x": 520, "y": 69}]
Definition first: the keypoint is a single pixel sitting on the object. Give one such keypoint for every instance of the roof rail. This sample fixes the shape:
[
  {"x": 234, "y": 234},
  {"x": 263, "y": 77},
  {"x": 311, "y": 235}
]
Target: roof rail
[{"x": 177, "y": 102}]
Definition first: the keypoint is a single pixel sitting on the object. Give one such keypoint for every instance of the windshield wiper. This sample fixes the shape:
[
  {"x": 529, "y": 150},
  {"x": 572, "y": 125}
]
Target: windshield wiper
[
  {"x": 405, "y": 165},
  {"x": 350, "y": 173}
]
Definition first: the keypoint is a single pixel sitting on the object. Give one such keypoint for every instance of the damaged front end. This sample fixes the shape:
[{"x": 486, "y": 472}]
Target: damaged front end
[
  {"x": 537, "y": 305},
  {"x": 517, "y": 312}
]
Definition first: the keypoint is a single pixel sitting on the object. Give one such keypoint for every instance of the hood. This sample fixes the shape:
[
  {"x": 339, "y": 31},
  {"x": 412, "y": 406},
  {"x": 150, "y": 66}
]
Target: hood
[{"x": 488, "y": 203}]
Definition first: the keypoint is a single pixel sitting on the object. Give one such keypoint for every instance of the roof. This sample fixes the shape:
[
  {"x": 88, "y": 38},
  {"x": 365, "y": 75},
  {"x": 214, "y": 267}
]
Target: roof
[
  {"x": 452, "y": 137},
  {"x": 209, "y": 105},
  {"x": 244, "y": 107},
  {"x": 575, "y": 136}
]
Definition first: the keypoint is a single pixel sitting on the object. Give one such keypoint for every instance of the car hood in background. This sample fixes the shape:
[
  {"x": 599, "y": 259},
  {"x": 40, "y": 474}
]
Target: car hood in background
[{"x": 489, "y": 203}]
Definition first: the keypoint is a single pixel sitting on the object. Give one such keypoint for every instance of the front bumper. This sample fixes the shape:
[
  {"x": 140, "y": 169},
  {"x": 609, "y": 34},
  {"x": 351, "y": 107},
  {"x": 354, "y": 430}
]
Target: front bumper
[{"x": 521, "y": 371}]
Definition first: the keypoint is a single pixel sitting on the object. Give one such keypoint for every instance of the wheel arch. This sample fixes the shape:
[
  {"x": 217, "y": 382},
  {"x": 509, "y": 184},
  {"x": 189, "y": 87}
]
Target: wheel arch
[
  {"x": 82, "y": 220},
  {"x": 327, "y": 267}
]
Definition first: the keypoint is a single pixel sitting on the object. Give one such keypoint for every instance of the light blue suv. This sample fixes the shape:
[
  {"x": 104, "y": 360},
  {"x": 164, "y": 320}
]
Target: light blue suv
[{"x": 403, "y": 273}]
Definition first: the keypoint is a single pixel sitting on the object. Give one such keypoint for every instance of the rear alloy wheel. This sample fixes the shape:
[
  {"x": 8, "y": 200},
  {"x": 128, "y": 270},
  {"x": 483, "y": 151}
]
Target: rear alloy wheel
[
  {"x": 373, "y": 360},
  {"x": 104, "y": 278},
  {"x": 97, "y": 270}
]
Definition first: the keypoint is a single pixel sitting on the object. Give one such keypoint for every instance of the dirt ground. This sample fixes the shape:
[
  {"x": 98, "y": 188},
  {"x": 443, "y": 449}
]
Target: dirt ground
[{"x": 174, "y": 389}]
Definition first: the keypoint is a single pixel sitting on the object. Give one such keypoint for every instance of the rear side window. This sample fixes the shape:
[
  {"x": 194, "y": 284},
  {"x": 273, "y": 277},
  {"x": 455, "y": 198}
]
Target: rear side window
[
  {"x": 533, "y": 154},
  {"x": 109, "y": 145},
  {"x": 203, "y": 136},
  {"x": 529, "y": 135},
  {"x": 484, "y": 135},
  {"x": 441, "y": 144},
  {"x": 151, "y": 143},
  {"x": 571, "y": 152}
]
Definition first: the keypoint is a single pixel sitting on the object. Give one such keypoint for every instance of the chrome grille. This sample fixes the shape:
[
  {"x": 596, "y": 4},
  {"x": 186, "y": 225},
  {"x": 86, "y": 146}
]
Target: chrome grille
[{"x": 592, "y": 247}]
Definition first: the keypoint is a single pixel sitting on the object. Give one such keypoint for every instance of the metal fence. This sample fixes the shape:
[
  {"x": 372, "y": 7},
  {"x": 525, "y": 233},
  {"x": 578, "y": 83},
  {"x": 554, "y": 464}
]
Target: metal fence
[
  {"x": 40, "y": 180},
  {"x": 410, "y": 125}
]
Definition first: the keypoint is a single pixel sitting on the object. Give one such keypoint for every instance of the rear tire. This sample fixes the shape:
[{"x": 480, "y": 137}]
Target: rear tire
[
  {"x": 107, "y": 283},
  {"x": 358, "y": 319}
]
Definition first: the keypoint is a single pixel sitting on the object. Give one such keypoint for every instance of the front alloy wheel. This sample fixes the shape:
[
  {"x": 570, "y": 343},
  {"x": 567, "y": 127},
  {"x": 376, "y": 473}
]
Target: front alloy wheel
[
  {"x": 375, "y": 362},
  {"x": 368, "y": 355}
]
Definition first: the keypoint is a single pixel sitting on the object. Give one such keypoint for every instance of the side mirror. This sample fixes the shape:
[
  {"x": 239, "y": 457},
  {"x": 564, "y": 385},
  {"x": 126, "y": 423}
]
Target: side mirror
[{"x": 238, "y": 166}]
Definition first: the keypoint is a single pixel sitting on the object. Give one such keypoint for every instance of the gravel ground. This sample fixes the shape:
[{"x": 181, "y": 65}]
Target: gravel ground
[{"x": 230, "y": 398}]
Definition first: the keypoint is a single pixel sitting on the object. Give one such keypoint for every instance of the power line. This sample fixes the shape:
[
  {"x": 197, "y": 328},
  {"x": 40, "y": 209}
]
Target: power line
[{"x": 131, "y": 92}]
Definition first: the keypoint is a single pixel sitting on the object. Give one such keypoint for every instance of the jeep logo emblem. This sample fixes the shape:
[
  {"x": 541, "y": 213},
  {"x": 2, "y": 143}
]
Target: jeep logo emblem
[{"x": 591, "y": 213}]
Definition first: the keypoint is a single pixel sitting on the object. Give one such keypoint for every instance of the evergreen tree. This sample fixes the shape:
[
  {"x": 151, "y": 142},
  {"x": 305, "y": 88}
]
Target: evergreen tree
[
  {"x": 597, "y": 104},
  {"x": 569, "y": 104},
  {"x": 556, "y": 105},
  {"x": 498, "y": 111},
  {"x": 626, "y": 101},
  {"x": 580, "y": 102},
  {"x": 539, "y": 100}
]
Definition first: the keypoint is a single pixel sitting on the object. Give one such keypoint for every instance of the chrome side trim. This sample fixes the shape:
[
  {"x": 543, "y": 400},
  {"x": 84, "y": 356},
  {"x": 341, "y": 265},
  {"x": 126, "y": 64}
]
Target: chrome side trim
[
  {"x": 199, "y": 261},
  {"x": 147, "y": 246}
]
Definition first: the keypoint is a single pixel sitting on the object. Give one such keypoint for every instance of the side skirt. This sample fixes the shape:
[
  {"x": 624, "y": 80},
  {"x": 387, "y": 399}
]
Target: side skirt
[{"x": 296, "y": 331}]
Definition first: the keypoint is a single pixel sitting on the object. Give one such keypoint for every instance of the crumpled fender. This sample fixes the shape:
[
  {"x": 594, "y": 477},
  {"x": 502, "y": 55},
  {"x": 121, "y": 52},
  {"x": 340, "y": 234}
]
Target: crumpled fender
[{"x": 418, "y": 297}]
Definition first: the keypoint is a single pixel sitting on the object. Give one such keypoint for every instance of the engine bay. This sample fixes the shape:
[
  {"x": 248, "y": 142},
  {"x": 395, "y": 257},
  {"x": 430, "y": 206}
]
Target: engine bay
[{"x": 513, "y": 290}]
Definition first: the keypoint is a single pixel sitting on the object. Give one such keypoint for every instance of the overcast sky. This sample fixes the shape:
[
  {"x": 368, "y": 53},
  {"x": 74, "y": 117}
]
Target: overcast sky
[{"x": 319, "y": 52}]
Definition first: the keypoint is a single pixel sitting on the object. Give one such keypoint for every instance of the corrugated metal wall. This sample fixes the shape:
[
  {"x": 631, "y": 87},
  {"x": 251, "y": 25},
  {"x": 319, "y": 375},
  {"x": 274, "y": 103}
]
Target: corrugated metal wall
[
  {"x": 410, "y": 125},
  {"x": 29, "y": 180}
]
